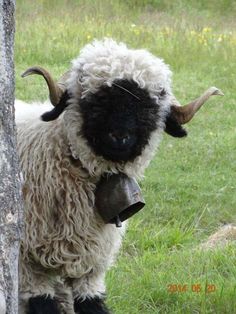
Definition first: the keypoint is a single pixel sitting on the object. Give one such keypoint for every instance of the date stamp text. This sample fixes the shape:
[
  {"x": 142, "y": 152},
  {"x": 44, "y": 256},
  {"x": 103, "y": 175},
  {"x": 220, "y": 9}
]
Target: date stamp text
[{"x": 196, "y": 288}]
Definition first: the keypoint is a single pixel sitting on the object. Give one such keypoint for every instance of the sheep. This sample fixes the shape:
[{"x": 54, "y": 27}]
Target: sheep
[{"x": 111, "y": 109}]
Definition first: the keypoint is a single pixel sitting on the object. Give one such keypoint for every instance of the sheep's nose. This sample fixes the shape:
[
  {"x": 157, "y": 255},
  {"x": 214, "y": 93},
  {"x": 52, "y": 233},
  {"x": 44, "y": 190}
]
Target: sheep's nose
[{"x": 119, "y": 137}]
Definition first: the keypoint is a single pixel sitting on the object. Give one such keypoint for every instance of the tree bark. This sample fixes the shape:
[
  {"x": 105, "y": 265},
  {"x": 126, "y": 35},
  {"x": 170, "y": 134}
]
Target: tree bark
[{"x": 10, "y": 183}]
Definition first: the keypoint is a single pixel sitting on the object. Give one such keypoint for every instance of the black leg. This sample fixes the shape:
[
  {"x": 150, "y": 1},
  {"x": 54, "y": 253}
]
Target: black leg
[
  {"x": 94, "y": 305},
  {"x": 43, "y": 305}
]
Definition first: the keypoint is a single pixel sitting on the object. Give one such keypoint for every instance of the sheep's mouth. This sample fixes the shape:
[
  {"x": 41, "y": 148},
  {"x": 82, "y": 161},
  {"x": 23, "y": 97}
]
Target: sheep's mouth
[{"x": 117, "y": 154}]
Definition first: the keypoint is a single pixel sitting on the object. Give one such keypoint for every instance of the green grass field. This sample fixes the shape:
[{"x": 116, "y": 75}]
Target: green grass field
[{"x": 190, "y": 187}]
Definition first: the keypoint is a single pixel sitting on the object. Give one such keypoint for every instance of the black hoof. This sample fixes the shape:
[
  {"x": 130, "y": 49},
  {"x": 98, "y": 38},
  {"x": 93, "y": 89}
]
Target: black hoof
[
  {"x": 43, "y": 305},
  {"x": 94, "y": 305}
]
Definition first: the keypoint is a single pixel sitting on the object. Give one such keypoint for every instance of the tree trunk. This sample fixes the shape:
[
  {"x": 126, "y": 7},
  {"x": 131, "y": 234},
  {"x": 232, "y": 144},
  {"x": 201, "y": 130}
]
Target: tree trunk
[{"x": 10, "y": 186}]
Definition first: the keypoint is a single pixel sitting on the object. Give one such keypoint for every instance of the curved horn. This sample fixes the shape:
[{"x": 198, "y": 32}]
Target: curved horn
[
  {"x": 55, "y": 89},
  {"x": 184, "y": 114}
]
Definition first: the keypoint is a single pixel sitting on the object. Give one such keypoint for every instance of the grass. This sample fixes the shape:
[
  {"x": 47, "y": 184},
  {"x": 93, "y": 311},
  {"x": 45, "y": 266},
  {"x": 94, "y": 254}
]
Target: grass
[{"x": 190, "y": 185}]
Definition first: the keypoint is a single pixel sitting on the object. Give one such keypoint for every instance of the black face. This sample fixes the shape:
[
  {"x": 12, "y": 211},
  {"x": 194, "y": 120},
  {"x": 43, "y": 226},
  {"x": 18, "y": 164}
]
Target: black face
[{"x": 117, "y": 124}]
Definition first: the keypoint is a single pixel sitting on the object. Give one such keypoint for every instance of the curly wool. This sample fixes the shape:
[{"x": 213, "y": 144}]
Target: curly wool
[
  {"x": 102, "y": 62},
  {"x": 64, "y": 236}
]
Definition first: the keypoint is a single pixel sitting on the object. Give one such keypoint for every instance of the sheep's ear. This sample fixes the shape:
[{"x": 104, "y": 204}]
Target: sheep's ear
[
  {"x": 173, "y": 127},
  {"x": 183, "y": 114},
  {"x": 58, "y": 109}
]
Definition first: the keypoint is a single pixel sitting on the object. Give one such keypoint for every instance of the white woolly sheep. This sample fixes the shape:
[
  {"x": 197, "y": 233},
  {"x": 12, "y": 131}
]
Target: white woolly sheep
[{"x": 116, "y": 103}]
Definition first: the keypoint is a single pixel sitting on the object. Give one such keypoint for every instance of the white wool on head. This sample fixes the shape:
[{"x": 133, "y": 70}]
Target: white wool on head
[{"x": 103, "y": 62}]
